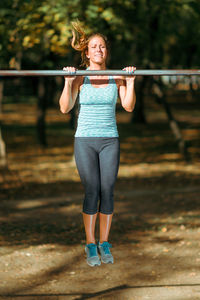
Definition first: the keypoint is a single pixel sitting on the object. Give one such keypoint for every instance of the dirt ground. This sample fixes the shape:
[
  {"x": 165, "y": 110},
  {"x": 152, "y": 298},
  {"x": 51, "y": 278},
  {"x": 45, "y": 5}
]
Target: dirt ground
[{"x": 155, "y": 230}]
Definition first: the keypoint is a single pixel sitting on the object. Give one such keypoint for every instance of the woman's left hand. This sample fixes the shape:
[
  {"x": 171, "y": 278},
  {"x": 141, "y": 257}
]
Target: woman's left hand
[{"x": 130, "y": 70}]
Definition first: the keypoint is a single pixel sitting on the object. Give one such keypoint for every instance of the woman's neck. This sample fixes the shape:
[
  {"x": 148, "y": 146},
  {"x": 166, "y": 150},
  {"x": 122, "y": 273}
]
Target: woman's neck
[{"x": 97, "y": 67}]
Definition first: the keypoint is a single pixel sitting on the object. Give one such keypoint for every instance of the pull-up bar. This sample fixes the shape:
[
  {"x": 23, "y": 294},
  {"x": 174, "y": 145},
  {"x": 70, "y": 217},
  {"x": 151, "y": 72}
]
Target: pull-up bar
[{"x": 21, "y": 73}]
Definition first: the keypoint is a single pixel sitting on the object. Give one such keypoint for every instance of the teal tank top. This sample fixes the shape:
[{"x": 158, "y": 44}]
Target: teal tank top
[{"x": 97, "y": 110}]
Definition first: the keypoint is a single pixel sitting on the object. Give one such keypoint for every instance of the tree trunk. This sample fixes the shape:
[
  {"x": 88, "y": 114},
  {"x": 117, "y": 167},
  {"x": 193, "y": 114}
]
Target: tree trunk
[
  {"x": 41, "y": 112},
  {"x": 2, "y": 143},
  {"x": 138, "y": 113},
  {"x": 3, "y": 161},
  {"x": 161, "y": 97},
  {"x": 1, "y": 95}
]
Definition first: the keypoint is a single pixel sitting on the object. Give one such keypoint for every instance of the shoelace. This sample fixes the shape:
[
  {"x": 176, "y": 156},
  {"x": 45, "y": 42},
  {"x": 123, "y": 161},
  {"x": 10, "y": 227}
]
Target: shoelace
[
  {"x": 106, "y": 247},
  {"x": 92, "y": 250}
]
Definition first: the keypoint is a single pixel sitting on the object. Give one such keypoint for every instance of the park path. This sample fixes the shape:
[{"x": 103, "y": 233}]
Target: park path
[{"x": 156, "y": 246}]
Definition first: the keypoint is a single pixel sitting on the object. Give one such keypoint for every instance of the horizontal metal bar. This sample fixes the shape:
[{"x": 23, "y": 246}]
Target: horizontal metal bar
[{"x": 8, "y": 73}]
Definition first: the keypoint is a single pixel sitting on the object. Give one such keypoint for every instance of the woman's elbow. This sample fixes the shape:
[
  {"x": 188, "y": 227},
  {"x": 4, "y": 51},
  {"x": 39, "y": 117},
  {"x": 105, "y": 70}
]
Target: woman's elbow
[
  {"x": 64, "y": 110},
  {"x": 129, "y": 108}
]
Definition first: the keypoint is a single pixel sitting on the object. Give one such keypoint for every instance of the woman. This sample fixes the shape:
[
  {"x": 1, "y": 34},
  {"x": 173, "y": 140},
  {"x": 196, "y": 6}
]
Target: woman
[{"x": 96, "y": 143}]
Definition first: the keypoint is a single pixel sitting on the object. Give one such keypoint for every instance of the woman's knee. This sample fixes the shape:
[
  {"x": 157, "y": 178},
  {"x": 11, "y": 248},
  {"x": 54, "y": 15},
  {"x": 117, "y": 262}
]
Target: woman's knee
[
  {"x": 107, "y": 201},
  {"x": 106, "y": 208},
  {"x": 90, "y": 204},
  {"x": 90, "y": 208}
]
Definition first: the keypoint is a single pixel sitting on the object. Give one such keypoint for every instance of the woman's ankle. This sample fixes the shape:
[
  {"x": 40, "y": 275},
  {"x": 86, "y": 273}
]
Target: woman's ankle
[{"x": 90, "y": 242}]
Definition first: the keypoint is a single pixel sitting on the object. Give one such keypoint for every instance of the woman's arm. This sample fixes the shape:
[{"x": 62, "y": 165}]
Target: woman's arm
[
  {"x": 70, "y": 91},
  {"x": 127, "y": 90}
]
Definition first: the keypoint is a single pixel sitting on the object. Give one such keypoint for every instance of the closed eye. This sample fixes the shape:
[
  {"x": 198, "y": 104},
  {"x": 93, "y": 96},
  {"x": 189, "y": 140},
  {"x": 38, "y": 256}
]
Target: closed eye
[{"x": 96, "y": 46}]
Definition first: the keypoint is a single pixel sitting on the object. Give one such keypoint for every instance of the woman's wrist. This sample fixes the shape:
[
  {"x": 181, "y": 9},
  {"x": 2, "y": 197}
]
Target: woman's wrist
[
  {"x": 69, "y": 81},
  {"x": 130, "y": 82}
]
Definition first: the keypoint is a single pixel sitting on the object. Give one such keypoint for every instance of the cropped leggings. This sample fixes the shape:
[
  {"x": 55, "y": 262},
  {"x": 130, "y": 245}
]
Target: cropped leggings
[{"x": 97, "y": 161}]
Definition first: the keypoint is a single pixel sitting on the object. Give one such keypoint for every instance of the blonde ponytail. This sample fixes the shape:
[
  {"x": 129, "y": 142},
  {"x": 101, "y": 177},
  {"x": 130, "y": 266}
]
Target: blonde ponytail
[{"x": 80, "y": 41}]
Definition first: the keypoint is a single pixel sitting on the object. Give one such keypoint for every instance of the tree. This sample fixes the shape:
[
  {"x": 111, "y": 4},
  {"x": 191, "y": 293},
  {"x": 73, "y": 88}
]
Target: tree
[{"x": 153, "y": 34}]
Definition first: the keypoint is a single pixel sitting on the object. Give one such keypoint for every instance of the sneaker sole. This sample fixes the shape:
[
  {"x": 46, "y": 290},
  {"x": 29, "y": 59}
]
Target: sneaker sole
[
  {"x": 107, "y": 262},
  {"x": 95, "y": 265}
]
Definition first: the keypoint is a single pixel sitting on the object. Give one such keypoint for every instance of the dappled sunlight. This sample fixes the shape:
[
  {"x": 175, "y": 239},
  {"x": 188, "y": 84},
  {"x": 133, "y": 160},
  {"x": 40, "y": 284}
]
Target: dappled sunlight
[
  {"x": 146, "y": 151},
  {"x": 157, "y": 169},
  {"x": 41, "y": 268},
  {"x": 12, "y": 115},
  {"x": 191, "y": 134},
  {"x": 156, "y": 222},
  {"x": 153, "y": 231},
  {"x": 169, "y": 156}
]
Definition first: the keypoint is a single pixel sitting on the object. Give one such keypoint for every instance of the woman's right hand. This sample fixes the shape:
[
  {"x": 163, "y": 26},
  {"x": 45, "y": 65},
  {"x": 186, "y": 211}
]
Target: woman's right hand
[{"x": 71, "y": 71}]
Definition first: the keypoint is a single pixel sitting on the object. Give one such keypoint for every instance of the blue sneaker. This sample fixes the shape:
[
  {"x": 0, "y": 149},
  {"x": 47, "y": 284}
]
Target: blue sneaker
[
  {"x": 104, "y": 250},
  {"x": 92, "y": 255}
]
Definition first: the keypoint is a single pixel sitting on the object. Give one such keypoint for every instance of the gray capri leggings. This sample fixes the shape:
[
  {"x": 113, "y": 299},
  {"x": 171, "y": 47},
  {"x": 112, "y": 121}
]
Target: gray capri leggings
[{"x": 97, "y": 161}]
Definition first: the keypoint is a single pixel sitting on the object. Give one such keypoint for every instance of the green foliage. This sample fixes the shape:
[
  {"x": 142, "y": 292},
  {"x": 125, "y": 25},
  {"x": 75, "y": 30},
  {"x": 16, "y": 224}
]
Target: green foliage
[{"x": 162, "y": 34}]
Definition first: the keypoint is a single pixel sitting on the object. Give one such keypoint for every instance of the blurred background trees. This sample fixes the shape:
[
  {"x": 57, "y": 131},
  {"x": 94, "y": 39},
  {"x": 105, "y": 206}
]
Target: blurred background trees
[
  {"x": 160, "y": 33},
  {"x": 148, "y": 34}
]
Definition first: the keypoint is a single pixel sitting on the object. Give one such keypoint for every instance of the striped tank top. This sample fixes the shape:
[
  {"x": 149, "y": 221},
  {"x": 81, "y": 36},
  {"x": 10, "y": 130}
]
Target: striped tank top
[{"x": 97, "y": 110}]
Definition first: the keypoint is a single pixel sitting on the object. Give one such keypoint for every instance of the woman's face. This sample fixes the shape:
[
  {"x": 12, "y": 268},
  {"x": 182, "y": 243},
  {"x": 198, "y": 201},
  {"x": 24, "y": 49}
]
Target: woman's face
[{"x": 97, "y": 51}]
